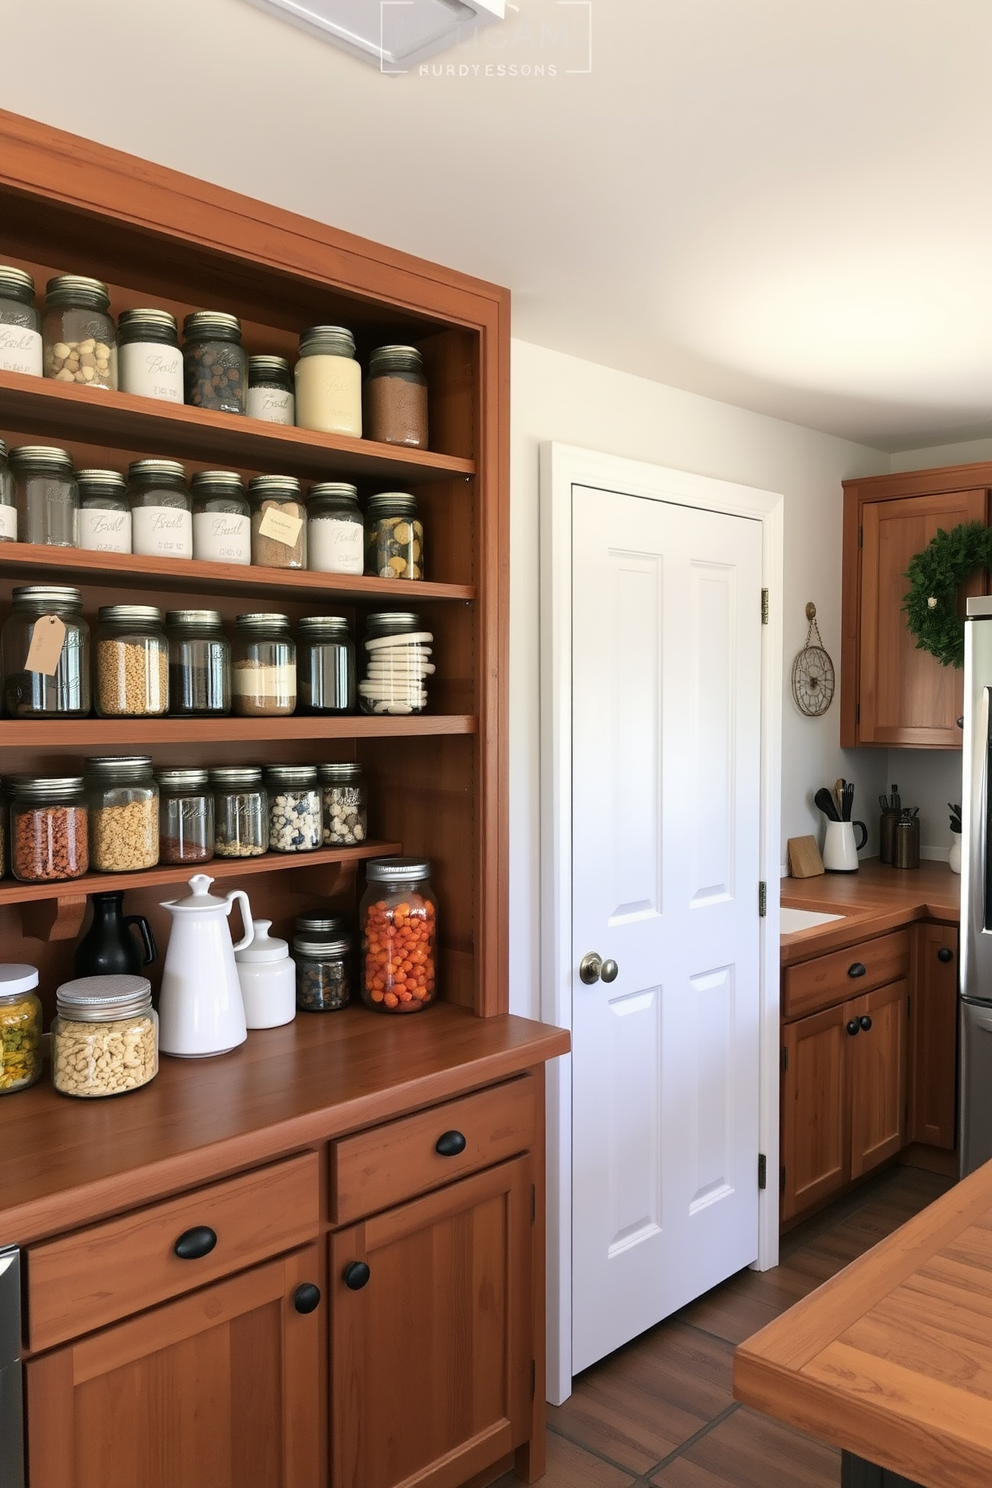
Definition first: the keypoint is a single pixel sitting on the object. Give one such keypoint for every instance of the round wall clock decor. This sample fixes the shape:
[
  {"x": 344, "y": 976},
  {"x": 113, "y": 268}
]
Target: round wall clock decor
[{"x": 813, "y": 672}]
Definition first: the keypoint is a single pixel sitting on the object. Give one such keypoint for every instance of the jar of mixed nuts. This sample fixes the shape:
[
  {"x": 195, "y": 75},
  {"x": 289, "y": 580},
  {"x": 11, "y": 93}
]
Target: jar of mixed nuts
[
  {"x": 104, "y": 517},
  {"x": 270, "y": 390},
  {"x": 334, "y": 529},
  {"x": 329, "y": 382},
  {"x": 161, "y": 511},
  {"x": 397, "y": 664},
  {"x": 215, "y": 365},
  {"x": 241, "y": 811},
  {"x": 394, "y": 537},
  {"x": 78, "y": 332},
  {"x": 149, "y": 361},
  {"x": 396, "y": 396},
  {"x": 20, "y": 324},
  {"x": 48, "y": 828},
  {"x": 132, "y": 662},
  {"x": 263, "y": 667},
  {"x": 185, "y": 817},
  {"x": 45, "y": 494},
  {"x": 278, "y": 522},
  {"x": 294, "y": 808},
  {"x": 20, "y": 1027},
  {"x": 325, "y": 665},
  {"x": 46, "y": 654},
  {"x": 398, "y": 918},
  {"x": 8, "y": 510},
  {"x": 199, "y": 664},
  {"x": 342, "y": 788},
  {"x": 221, "y": 526},
  {"x": 323, "y": 972},
  {"x": 123, "y": 801},
  {"x": 104, "y": 1036}
]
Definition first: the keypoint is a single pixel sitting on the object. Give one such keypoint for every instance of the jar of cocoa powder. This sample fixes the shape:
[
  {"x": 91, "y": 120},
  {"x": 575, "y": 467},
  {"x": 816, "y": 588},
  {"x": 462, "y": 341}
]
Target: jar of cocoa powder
[{"x": 396, "y": 396}]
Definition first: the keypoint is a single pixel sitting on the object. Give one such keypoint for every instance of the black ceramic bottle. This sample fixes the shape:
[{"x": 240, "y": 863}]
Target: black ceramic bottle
[{"x": 109, "y": 948}]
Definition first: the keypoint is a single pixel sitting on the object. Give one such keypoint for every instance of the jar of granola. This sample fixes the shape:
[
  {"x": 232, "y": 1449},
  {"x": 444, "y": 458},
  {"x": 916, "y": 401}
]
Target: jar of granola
[{"x": 132, "y": 662}]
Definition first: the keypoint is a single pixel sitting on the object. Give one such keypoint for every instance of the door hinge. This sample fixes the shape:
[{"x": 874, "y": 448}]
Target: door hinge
[
  {"x": 533, "y": 1378},
  {"x": 785, "y": 1058},
  {"x": 764, "y": 606},
  {"x": 762, "y": 1170},
  {"x": 762, "y": 899},
  {"x": 781, "y": 1180},
  {"x": 533, "y": 1202},
  {"x": 861, "y": 537}
]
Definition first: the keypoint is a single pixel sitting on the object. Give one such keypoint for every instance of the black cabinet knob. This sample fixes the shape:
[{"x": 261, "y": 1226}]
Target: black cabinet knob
[
  {"x": 858, "y": 969},
  {"x": 853, "y": 1027},
  {"x": 449, "y": 1144},
  {"x": 195, "y": 1243},
  {"x": 945, "y": 954},
  {"x": 865, "y": 1022},
  {"x": 306, "y": 1298},
  {"x": 356, "y": 1275}
]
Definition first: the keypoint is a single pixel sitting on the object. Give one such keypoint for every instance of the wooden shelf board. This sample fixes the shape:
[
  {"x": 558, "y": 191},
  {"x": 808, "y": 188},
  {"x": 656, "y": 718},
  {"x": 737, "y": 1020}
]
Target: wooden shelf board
[
  {"x": 112, "y": 733},
  {"x": 40, "y": 405}
]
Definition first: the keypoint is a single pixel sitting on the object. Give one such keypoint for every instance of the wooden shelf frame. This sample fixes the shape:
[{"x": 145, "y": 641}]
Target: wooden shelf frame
[{"x": 67, "y": 734}]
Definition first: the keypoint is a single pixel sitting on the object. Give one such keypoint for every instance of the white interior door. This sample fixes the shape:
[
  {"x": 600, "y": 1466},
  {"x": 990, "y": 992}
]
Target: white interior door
[{"x": 666, "y": 772}]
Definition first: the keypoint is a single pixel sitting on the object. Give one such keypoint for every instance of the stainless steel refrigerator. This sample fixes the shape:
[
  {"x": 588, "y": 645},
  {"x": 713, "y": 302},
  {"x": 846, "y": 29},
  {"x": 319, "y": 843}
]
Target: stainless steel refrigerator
[{"x": 975, "y": 1097}]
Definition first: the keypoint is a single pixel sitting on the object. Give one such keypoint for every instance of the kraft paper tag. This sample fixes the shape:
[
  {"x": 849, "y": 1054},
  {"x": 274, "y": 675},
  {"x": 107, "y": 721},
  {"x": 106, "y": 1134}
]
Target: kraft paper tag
[
  {"x": 280, "y": 527},
  {"x": 45, "y": 650}
]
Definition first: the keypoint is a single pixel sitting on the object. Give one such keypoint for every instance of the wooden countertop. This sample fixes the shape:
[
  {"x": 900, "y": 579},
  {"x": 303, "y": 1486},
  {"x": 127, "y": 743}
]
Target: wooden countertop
[
  {"x": 64, "y": 1162},
  {"x": 876, "y": 898},
  {"x": 892, "y": 1358}
]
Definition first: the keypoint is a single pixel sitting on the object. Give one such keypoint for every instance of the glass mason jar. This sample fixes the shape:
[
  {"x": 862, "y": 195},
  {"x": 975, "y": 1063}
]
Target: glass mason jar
[
  {"x": 398, "y": 918},
  {"x": 20, "y": 324},
  {"x": 45, "y": 494},
  {"x": 48, "y": 828},
  {"x": 104, "y": 1036},
  {"x": 161, "y": 511},
  {"x": 185, "y": 816},
  {"x": 241, "y": 811},
  {"x": 334, "y": 529},
  {"x": 278, "y": 522},
  {"x": 323, "y": 973},
  {"x": 78, "y": 332},
  {"x": 294, "y": 808},
  {"x": 342, "y": 789},
  {"x": 325, "y": 665},
  {"x": 329, "y": 382},
  {"x": 20, "y": 1028},
  {"x": 322, "y": 926},
  {"x": 123, "y": 801},
  {"x": 8, "y": 509},
  {"x": 270, "y": 390},
  {"x": 215, "y": 364},
  {"x": 132, "y": 662},
  {"x": 46, "y": 665},
  {"x": 199, "y": 664},
  {"x": 394, "y": 537},
  {"x": 104, "y": 517},
  {"x": 149, "y": 361},
  {"x": 221, "y": 525},
  {"x": 396, "y": 396},
  {"x": 397, "y": 664},
  {"x": 263, "y": 667}
]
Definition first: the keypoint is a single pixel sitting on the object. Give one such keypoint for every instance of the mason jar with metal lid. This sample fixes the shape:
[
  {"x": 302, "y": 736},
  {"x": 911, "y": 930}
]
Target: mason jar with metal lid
[
  {"x": 221, "y": 523},
  {"x": 149, "y": 361},
  {"x": 241, "y": 811},
  {"x": 20, "y": 324},
  {"x": 342, "y": 788},
  {"x": 394, "y": 536},
  {"x": 123, "y": 802},
  {"x": 335, "y": 531},
  {"x": 132, "y": 662},
  {"x": 104, "y": 1036},
  {"x": 278, "y": 522},
  {"x": 270, "y": 390},
  {"x": 294, "y": 808},
  {"x": 398, "y": 918},
  {"x": 396, "y": 396},
  {"x": 78, "y": 332},
  {"x": 329, "y": 382},
  {"x": 185, "y": 816},
  {"x": 199, "y": 664},
  {"x": 161, "y": 511},
  {"x": 46, "y": 654},
  {"x": 325, "y": 667},
  {"x": 397, "y": 663},
  {"x": 20, "y": 1027},
  {"x": 45, "y": 494},
  {"x": 323, "y": 972},
  {"x": 322, "y": 926},
  {"x": 48, "y": 828},
  {"x": 104, "y": 517},
  {"x": 8, "y": 510},
  {"x": 263, "y": 666},
  {"x": 215, "y": 365}
]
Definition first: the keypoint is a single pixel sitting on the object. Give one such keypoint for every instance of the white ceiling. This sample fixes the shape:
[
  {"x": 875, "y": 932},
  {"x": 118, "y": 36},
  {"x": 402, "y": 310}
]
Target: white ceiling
[{"x": 783, "y": 204}]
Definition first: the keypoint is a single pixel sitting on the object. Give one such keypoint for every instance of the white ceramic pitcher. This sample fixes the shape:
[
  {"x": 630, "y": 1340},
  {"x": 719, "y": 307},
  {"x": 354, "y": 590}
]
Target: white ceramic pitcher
[
  {"x": 200, "y": 1010},
  {"x": 840, "y": 850}
]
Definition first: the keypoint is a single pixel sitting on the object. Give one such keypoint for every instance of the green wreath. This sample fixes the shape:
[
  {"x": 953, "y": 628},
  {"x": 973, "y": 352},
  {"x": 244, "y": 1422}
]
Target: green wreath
[{"x": 936, "y": 575}]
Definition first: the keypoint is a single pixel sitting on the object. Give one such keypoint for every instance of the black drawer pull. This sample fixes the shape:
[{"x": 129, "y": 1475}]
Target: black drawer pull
[
  {"x": 853, "y": 1027},
  {"x": 449, "y": 1144},
  {"x": 194, "y": 1243},
  {"x": 355, "y": 1275},
  {"x": 945, "y": 954},
  {"x": 865, "y": 1022},
  {"x": 858, "y": 969},
  {"x": 306, "y": 1298}
]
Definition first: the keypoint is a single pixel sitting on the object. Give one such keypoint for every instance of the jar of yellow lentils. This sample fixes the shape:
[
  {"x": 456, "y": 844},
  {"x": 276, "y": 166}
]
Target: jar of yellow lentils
[{"x": 20, "y": 1027}]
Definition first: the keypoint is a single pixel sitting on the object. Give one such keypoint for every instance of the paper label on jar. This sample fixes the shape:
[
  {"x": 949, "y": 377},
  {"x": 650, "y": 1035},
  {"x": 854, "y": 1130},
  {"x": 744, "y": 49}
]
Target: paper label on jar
[
  {"x": 45, "y": 650},
  {"x": 335, "y": 547},
  {"x": 280, "y": 527},
  {"x": 162, "y": 532},
  {"x": 20, "y": 350},
  {"x": 152, "y": 370},
  {"x": 248, "y": 680},
  {"x": 8, "y": 523},
  {"x": 104, "y": 531},
  {"x": 221, "y": 537},
  {"x": 273, "y": 405}
]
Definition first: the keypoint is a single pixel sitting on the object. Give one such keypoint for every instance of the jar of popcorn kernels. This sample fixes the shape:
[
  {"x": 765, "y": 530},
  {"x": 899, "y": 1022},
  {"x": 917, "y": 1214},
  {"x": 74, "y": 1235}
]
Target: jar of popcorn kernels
[{"x": 105, "y": 1036}]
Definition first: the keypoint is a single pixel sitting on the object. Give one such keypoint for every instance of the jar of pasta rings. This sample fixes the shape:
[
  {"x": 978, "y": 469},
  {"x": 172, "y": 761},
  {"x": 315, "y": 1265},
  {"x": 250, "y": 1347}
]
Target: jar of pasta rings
[
  {"x": 8, "y": 510},
  {"x": 46, "y": 654},
  {"x": 149, "y": 362},
  {"x": 123, "y": 803},
  {"x": 132, "y": 662},
  {"x": 45, "y": 494},
  {"x": 325, "y": 665},
  {"x": 221, "y": 524},
  {"x": 48, "y": 828},
  {"x": 323, "y": 971},
  {"x": 199, "y": 664},
  {"x": 329, "y": 382},
  {"x": 104, "y": 1036},
  {"x": 104, "y": 517},
  {"x": 342, "y": 788},
  {"x": 270, "y": 390},
  {"x": 20, "y": 1028},
  {"x": 334, "y": 528},
  {"x": 78, "y": 332},
  {"x": 215, "y": 365},
  {"x": 263, "y": 667},
  {"x": 161, "y": 511},
  {"x": 396, "y": 396},
  {"x": 186, "y": 830},
  {"x": 240, "y": 810},
  {"x": 394, "y": 537},
  {"x": 398, "y": 919},
  {"x": 278, "y": 522},
  {"x": 397, "y": 663},
  {"x": 20, "y": 324}
]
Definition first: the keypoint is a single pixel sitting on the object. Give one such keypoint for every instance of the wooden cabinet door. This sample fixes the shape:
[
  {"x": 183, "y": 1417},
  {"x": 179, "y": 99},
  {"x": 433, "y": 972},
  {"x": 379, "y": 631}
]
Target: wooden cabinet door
[
  {"x": 934, "y": 1037},
  {"x": 431, "y": 1374},
  {"x": 815, "y": 1144},
  {"x": 223, "y": 1388},
  {"x": 877, "y": 1075},
  {"x": 905, "y": 696}
]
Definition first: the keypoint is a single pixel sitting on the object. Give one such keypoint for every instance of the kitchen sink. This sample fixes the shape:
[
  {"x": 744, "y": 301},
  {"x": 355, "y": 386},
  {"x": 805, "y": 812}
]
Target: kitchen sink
[{"x": 791, "y": 920}]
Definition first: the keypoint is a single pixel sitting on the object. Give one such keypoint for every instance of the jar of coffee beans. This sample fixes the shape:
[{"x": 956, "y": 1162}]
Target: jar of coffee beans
[
  {"x": 132, "y": 662},
  {"x": 278, "y": 522},
  {"x": 270, "y": 390},
  {"x": 221, "y": 527},
  {"x": 240, "y": 810},
  {"x": 161, "y": 511},
  {"x": 394, "y": 537},
  {"x": 45, "y": 494},
  {"x": 263, "y": 667},
  {"x": 78, "y": 332},
  {"x": 185, "y": 816},
  {"x": 20, "y": 324},
  {"x": 396, "y": 396},
  {"x": 215, "y": 365},
  {"x": 323, "y": 972},
  {"x": 48, "y": 828},
  {"x": 294, "y": 808},
  {"x": 104, "y": 517},
  {"x": 123, "y": 802},
  {"x": 149, "y": 360},
  {"x": 329, "y": 382},
  {"x": 199, "y": 664},
  {"x": 46, "y": 654}
]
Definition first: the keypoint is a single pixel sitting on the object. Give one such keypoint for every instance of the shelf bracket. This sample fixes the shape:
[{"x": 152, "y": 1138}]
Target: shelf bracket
[
  {"x": 53, "y": 919},
  {"x": 326, "y": 881}
]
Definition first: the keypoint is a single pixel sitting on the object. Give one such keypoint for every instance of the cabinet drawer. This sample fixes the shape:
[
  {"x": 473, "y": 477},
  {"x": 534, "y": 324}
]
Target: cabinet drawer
[
  {"x": 384, "y": 1166},
  {"x": 828, "y": 979},
  {"x": 94, "y": 1276}
]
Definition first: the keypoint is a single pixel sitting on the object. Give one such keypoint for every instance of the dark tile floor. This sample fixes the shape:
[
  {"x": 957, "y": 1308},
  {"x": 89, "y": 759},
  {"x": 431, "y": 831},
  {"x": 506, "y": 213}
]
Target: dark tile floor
[{"x": 660, "y": 1411}]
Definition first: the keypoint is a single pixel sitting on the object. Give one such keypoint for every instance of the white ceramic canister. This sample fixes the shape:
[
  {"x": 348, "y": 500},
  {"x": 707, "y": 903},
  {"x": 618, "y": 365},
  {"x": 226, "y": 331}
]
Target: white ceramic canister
[
  {"x": 268, "y": 979},
  {"x": 200, "y": 1008}
]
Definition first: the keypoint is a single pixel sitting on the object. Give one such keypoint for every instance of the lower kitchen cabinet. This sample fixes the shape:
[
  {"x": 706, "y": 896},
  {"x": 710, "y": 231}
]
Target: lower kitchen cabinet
[{"x": 934, "y": 1037}]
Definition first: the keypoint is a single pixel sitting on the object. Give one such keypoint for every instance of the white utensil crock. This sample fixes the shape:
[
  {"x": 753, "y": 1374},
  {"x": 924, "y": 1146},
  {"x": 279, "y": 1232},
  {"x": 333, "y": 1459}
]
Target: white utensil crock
[{"x": 840, "y": 850}]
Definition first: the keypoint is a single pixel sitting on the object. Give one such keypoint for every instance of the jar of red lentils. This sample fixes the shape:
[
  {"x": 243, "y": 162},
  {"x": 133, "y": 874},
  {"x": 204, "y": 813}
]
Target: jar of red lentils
[{"x": 398, "y": 918}]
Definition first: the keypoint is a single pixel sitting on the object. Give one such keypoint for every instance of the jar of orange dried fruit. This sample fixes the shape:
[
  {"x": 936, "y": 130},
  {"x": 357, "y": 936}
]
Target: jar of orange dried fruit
[{"x": 398, "y": 917}]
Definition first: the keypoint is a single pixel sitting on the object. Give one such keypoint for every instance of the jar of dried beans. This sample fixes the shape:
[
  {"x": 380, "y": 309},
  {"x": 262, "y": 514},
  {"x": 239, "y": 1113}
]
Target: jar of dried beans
[
  {"x": 329, "y": 382},
  {"x": 123, "y": 802},
  {"x": 278, "y": 522},
  {"x": 45, "y": 494},
  {"x": 221, "y": 524},
  {"x": 105, "y": 1036},
  {"x": 323, "y": 972},
  {"x": 215, "y": 365},
  {"x": 132, "y": 662},
  {"x": 20, "y": 1027},
  {"x": 394, "y": 537},
  {"x": 342, "y": 786},
  {"x": 241, "y": 811},
  {"x": 48, "y": 828},
  {"x": 46, "y": 654},
  {"x": 263, "y": 667},
  {"x": 398, "y": 917},
  {"x": 20, "y": 324},
  {"x": 396, "y": 396},
  {"x": 104, "y": 517},
  {"x": 149, "y": 360},
  {"x": 199, "y": 664},
  {"x": 185, "y": 816},
  {"x": 270, "y": 390},
  {"x": 161, "y": 511},
  {"x": 294, "y": 808},
  {"x": 78, "y": 332}
]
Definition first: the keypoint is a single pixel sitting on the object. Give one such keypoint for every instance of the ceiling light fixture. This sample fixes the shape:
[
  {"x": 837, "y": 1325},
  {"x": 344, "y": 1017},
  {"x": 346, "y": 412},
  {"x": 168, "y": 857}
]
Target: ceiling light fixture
[{"x": 393, "y": 34}]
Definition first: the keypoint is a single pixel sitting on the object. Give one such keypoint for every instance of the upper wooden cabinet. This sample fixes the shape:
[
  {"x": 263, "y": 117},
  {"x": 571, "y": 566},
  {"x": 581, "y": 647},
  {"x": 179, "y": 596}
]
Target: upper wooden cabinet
[{"x": 891, "y": 692}]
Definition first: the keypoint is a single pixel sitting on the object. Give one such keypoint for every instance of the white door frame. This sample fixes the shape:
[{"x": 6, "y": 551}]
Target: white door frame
[{"x": 563, "y": 466}]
